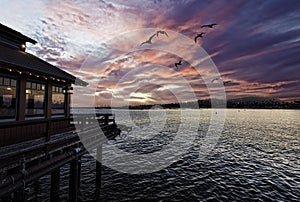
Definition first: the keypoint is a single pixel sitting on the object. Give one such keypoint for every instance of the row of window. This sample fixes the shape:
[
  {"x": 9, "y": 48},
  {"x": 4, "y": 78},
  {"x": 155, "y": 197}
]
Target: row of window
[{"x": 35, "y": 104}]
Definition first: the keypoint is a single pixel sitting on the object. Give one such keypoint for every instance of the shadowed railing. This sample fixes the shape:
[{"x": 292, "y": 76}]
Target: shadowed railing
[{"x": 26, "y": 161}]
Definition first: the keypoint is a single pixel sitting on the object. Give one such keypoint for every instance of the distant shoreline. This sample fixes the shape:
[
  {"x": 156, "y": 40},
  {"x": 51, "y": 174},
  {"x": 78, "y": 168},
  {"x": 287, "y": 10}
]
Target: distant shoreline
[
  {"x": 108, "y": 108},
  {"x": 238, "y": 103}
]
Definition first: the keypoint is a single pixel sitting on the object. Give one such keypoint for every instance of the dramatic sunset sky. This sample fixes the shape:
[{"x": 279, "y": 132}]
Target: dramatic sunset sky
[{"x": 256, "y": 45}]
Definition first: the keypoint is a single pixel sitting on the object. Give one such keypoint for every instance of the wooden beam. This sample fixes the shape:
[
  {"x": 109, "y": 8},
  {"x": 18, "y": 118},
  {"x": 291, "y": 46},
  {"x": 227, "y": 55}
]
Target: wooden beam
[
  {"x": 98, "y": 168},
  {"x": 19, "y": 195},
  {"x": 54, "y": 191},
  {"x": 48, "y": 100},
  {"x": 67, "y": 103},
  {"x": 79, "y": 173},
  {"x": 21, "y": 94},
  {"x": 73, "y": 181}
]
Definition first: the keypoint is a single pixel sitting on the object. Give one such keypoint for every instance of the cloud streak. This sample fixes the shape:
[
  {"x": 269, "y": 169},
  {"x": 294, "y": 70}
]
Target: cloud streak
[{"x": 255, "y": 44}]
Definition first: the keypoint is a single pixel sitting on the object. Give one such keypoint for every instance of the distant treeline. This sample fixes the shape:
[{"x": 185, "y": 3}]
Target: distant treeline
[{"x": 247, "y": 103}]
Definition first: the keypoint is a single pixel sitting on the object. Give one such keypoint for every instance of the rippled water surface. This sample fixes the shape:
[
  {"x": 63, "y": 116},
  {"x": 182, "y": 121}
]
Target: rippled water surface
[{"x": 255, "y": 157}]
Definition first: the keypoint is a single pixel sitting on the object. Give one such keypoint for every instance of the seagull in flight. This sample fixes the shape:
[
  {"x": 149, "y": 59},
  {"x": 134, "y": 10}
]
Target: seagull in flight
[
  {"x": 215, "y": 79},
  {"x": 149, "y": 41},
  {"x": 178, "y": 63},
  {"x": 162, "y": 32},
  {"x": 210, "y": 26},
  {"x": 199, "y": 35},
  {"x": 225, "y": 82}
]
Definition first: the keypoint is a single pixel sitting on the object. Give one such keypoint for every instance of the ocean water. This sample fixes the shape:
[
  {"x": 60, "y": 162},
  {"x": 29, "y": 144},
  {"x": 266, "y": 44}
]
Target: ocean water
[{"x": 256, "y": 156}]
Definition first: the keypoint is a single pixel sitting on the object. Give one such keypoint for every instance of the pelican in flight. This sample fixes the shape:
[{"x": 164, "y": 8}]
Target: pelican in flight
[
  {"x": 178, "y": 63},
  {"x": 149, "y": 41},
  {"x": 161, "y": 32},
  {"x": 199, "y": 35},
  {"x": 210, "y": 26}
]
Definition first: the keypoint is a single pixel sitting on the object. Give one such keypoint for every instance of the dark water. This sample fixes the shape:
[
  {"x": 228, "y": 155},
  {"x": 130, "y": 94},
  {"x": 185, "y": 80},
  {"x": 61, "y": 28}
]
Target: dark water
[{"x": 256, "y": 158}]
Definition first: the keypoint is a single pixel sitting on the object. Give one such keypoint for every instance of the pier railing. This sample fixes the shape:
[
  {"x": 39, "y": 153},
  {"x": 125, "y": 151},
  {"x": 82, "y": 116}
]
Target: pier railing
[
  {"x": 24, "y": 162},
  {"x": 21, "y": 131}
]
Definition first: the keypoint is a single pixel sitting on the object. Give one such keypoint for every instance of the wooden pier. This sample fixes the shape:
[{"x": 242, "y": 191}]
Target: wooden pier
[
  {"x": 23, "y": 163},
  {"x": 38, "y": 133}
]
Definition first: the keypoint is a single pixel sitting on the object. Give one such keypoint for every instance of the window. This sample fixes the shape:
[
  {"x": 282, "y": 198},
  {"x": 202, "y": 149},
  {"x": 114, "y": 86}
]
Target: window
[
  {"x": 58, "y": 101},
  {"x": 7, "y": 98},
  {"x": 35, "y": 100}
]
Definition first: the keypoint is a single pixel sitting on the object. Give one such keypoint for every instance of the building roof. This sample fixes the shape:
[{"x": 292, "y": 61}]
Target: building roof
[
  {"x": 15, "y": 34},
  {"x": 28, "y": 62}
]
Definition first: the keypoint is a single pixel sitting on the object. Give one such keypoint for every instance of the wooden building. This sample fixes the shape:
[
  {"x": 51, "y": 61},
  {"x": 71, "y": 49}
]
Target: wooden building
[
  {"x": 34, "y": 95},
  {"x": 37, "y": 132}
]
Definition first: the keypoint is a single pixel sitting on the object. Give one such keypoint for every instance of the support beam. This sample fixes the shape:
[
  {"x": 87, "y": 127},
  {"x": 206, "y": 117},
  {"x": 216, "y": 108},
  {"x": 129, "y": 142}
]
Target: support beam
[
  {"x": 54, "y": 192},
  {"x": 98, "y": 168},
  {"x": 6, "y": 198},
  {"x": 48, "y": 100},
  {"x": 48, "y": 111},
  {"x": 68, "y": 102},
  {"x": 21, "y": 99},
  {"x": 79, "y": 173},
  {"x": 19, "y": 195},
  {"x": 73, "y": 181}
]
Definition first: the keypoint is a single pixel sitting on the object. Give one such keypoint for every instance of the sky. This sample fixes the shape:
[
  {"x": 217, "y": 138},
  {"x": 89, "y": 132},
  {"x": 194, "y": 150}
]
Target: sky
[{"x": 255, "y": 45}]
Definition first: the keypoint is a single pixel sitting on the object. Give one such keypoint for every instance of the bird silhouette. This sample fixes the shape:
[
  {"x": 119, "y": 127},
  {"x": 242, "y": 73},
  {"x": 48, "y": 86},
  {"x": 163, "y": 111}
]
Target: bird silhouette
[
  {"x": 215, "y": 79},
  {"x": 198, "y": 35},
  {"x": 178, "y": 63},
  {"x": 210, "y": 26},
  {"x": 225, "y": 82},
  {"x": 149, "y": 41},
  {"x": 162, "y": 32}
]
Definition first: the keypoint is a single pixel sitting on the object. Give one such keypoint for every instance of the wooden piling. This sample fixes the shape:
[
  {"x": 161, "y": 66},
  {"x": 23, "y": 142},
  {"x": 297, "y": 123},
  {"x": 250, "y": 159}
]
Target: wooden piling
[
  {"x": 98, "y": 168},
  {"x": 79, "y": 174},
  {"x": 73, "y": 181},
  {"x": 19, "y": 195},
  {"x": 54, "y": 191}
]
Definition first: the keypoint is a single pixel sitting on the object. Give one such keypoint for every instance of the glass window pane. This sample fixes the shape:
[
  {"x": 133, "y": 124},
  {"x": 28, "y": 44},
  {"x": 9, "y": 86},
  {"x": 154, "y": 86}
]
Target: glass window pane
[
  {"x": 13, "y": 83},
  {"x": 6, "y": 81},
  {"x": 7, "y": 99},
  {"x": 35, "y": 100},
  {"x": 58, "y": 102},
  {"x": 28, "y": 85}
]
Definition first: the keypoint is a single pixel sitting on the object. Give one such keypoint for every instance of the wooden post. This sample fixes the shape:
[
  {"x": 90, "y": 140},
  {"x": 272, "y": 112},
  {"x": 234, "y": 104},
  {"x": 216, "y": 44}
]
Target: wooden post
[
  {"x": 98, "y": 168},
  {"x": 48, "y": 100},
  {"x": 19, "y": 195},
  {"x": 48, "y": 110},
  {"x": 106, "y": 119},
  {"x": 54, "y": 191},
  {"x": 48, "y": 128},
  {"x": 73, "y": 180},
  {"x": 79, "y": 173},
  {"x": 67, "y": 102},
  {"x": 21, "y": 99},
  {"x": 6, "y": 198}
]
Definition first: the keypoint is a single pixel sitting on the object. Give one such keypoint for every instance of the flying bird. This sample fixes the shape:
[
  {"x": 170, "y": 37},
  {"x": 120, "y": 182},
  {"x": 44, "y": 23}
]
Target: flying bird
[
  {"x": 225, "y": 82},
  {"x": 210, "y": 26},
  {"x": 199, "y": 35},
  {"x": 162, "y": 32},
  {"x": 149, "y": 41},
  {"x": 178, "y": 63},
  {"x": 215, "y": 79}
]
